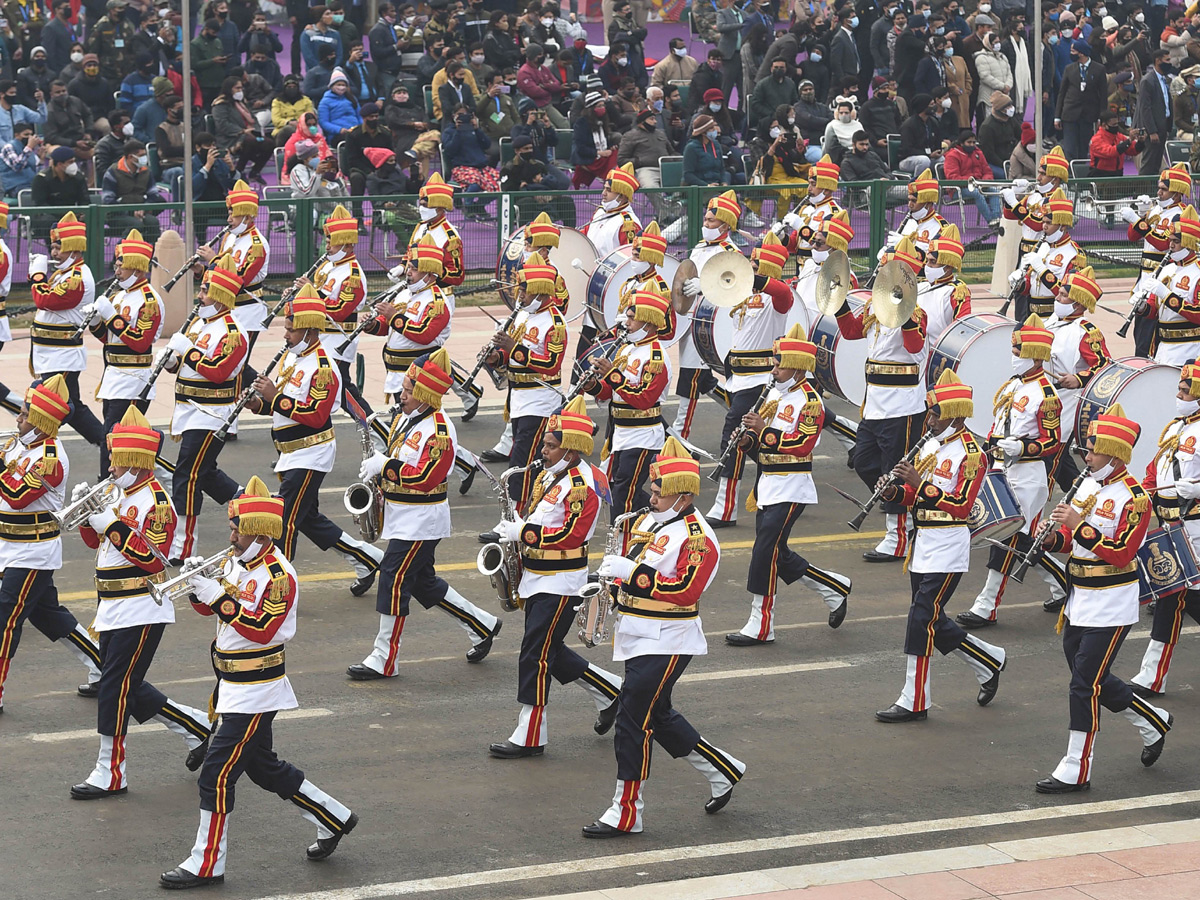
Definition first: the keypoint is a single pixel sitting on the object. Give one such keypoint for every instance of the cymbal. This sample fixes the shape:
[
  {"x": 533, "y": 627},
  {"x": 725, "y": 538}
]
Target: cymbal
[
  {"x": 680, "y": 301},
  {"x": 727, "y": 279},
  {"x": 833, "y": 283},
  {"x": 894, "y": 295}
]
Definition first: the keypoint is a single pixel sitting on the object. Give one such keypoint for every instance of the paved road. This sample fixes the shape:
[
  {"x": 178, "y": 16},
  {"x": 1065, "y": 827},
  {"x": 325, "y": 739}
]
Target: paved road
[{"x": 410, "y": 754}]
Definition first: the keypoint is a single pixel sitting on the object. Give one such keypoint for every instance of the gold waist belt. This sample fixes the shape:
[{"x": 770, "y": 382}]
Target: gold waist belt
[
  {"x": 256, "y": 664},
  {"x": 1098, "y": 568},
  {"x": 30, "y": 528},
  {"x": 874, "y": 368},
  {"x": 129, "y": 359},
  {"x": 938, "y": 515},
  {"x": 312, "y": 440},
  {"x": 533, "y": 379},
  {"x": 782, "y": 459},
  {"x": 129, "y": 584},
  {"x": 54, "y": 331},
  {"x": 537, "y": 553},
  {"x": 220, "y": 393},
  {"x": 623, "y": 412}
]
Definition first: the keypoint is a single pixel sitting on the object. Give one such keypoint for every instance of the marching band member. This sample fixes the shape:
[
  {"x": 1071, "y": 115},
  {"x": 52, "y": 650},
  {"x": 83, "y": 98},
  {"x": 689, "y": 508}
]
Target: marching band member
[
  {"x": 60, "y": 298},
  {"x": 553, "y": 542},
  {"x": 1175, "y": 295},
  {"x": 942, "y": 293},
  {"x": 923, "y": 222},
  {"x": 782, "y": 436},
  {"x": 1026, "y": 432},
  {"x": 1040, "y": 271},
  {"x": 672, "y": 561},
  {"x": 1078, "y": 353},
  {"x": 649, "y": 252},
  {"x": 416, "y": 516},
  {"x": 250, "y": 255},
  {"x": 1029, "y": 206},
  {"x": 695, "y": 379},
  {"x": 895, "y": 403},
  {"x": 209, "y": 359},
  {"x": 757, "y": 322},
  {"x": 613, "y": 225},
  {"x": 32, "y": 486},
  {"x": 633, "y": 384},
  {"x": 9, "y": 399},
  {"x": 301, "y": 401},
  {"x": 941, "y": 488},
  {"x": 255, "y": 600},
  {"x": 818, "y": 205},
  {"x": 1173, "y": 482},
  {"x": 541, "y": 237},
  {"x": 1102, "y": 529},
  {"x": 129, "y": 537},
  {"x": 1150, "y": 222},
  {"x": 127, "y": 324}
]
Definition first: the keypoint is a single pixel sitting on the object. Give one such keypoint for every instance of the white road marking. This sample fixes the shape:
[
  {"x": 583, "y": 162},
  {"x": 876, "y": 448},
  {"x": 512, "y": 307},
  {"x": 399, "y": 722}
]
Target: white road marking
[
  {"x": 766, "y": 670},
  {"x": 58, "y": 737},
  {"x": 736, "y": 848}
]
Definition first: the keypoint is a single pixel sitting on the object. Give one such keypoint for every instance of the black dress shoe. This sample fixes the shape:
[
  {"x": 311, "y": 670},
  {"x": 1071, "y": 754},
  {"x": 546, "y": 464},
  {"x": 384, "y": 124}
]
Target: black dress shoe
[
  {"x": 323, "y": 847},
  {"x": 468, "y": 481},
  {"x": 359, "y": 672},
  {"x": 1052, "y": 785},
  {"x": 91, "y": 690},
  {"x": 489, "y": 537},
  {"x": 737, "y": 639},
  {"x": 897, "y": 713},
  {"x": 195, "y": 757},
  {"x": 604, "y": 830},
  {"x": 180, "y": 879},
  {"x": 509, "y": 750},
  {"x": 607, "y": 716},
  {"x": 479, "y": 652},
  {"x": 1144, "y": 692},
  {"x": 970, "y": 620},
  {"x": 469, "y": 409},
  {"x": 722, "y": 523},
  {"x": 838, "y": 616},
  {"x": 987, "y": 690},
  {"x": 493, "y": 456},
  {"x": 716, "y": 804},
  {"x": 1151, "y": 754},
  {"x": 1052, "y": 605},
  {"x": 87, "y": 791},
  {"x": 874, "y": 556},
  {"x": 360, "y": 586}
]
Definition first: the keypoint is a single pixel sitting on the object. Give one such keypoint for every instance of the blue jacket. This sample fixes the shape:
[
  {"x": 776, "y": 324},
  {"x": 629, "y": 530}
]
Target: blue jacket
[
  {"x": 583, "y": 142},
  {"x": 336, "y": 113},
  {"x": 465, "y": 147},
  {"x": 147, "y": 119},
  {"x": 135, "y": 90},
  {"x": 18, "y": 165},
  {"x": 19, "y": 113},
  {"x": 310, "y": 39},
  {"x": 700, "y": 165}
]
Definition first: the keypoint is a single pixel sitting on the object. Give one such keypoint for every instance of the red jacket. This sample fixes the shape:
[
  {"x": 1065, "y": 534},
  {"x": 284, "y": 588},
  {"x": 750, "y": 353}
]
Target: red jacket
[
  {"x": 1107, "y": 151},
  {"x": 961, "y": 165}
]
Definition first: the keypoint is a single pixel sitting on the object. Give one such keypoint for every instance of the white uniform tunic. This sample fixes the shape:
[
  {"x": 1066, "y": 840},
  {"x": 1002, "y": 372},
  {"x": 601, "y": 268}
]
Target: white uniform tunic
[
  {"x": 340, "y": 283},
  {"x": 301, "y": 428},
  {"x": 1060, "y": 257},
  {"x": 251, "y": 256},
  {"x": 6, "y": 267},
  {"x": 542, "y": 343},
  {"x": 888, "y": 359},
  {"x": 689, "y": 357},
  {"x": 126, "y": 371},
  {"x": 1153, "y": 256},
  {"x": 922, "y": 231},
  {"x": 786, "y": 477},
  {"x": 940, "y": 547},
  {"x": 1020, "y": 411},
  {"x": 1185, "y": 435},
  {"x": 645, "y": 370},
  {"x": 411, "y": 514},
  {"x": 569, "y": 499},
  {"x": 29, "y": 536},
  {"x": 609, "y": 230},
  {"x": 941, "y": 306},
  {"x": 1068, "y": 356},
  {"x": 206, "y": 335},
  {"x": 54, "y": 350},
  {"x": 1179, "y": 338},
  {"x": 812, "y": 213},
  {"x": 756, "y": 326},
  {"x": 425, "y": 320}
]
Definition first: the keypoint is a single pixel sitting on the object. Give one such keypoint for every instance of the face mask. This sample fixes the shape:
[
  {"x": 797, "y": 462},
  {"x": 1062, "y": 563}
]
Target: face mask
[
  {"x": 640, "y": 267},
  {"x": 946, "y": 101},
  {"x": 72, "y": 169},
  {"x": 512, "y": 83},
  {"x": 1053, "y": 39},
  {"x": 939, "y": 31},
  {"x": 39, "y": 63},
  {"x": 143, "y": 160},
  {"x": 548, "y": 21},
  {"x": 776, "y": 132},
  {"x": 164, "y": 13},
  {"x": 249, "y": 553},
  {"x": 819, "y": 256},
  {"x": 709, "y": 234},
  {"x": 622, "y": 60},
  {"x": 933, "y": 273},
  {"x": 791, "y": 120},
  {"x": 338, "y": 18},
  {"x": 609, "y": 205},
  {"x": 239, "y": 228},
  {"x": 428, "y": 213},
  {"x": 77, "y": 58},
  {"x": 1052, "y": 235},
  {"x": 477, "y": 58},
  {"x": 1102, "y": 12},
  {"x": 1180, "y": 254},
  {"x": 944, "y": 433},
  {"x": 67, "y": 261},
  {"x": 1021, "y": 366},
  {"x": 948, "y": 52},
  {"x": 1103, "y": 472},
  {"x": 657, "y": 106},
  {"x": 711, "y": 134},
  {"x": 844, "y": 117},
  {"x": 814, "y": 57},
  {"x": 1062, "y": 310},
  {"x": 339, "y": 88},
  {"x": 60, "y": 100},
  {"x": 1140, "y": 17},
  {"x": 985, "y": 7},
  {"x": 30, "y": 438},
  {"x": 1186, "y": 407},
  {"x": 681, "y": 52},
  {"x": 336, "y": 256},
  {"x": 557, "y": 467},
  {"x": 313, "y": 163},
  {"x": 125, "y": 481},
  {"x": 854, "y": 21},
  {"x": 663, "y": 517},
  {"x": 128, "y": 282},
  {"x": 127, "y": 129},
  {"x": 715, "y": 107}
]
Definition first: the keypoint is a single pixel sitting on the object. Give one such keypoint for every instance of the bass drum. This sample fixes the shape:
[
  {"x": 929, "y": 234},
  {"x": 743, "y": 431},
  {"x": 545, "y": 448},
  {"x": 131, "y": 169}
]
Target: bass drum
[
  {"x": 978, "y": 348},
  {"x": 1145, "y": 389},
  {"x": 712, "y": 334},
  {"x": 572, "y": 245},
  {"x": 604, "y": 286},
  {"x": 841, "y": 364}
]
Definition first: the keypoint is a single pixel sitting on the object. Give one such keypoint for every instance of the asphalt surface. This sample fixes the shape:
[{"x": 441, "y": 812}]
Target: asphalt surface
[{"x": 409, "y": 754}]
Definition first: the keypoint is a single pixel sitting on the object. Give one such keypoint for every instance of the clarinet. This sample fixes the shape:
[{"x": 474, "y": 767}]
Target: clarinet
[
  {"x": 291, "y": 292},
  {"x": 86, "y": 323},
  {"x": 481, "y": 360},
  {"x": 1037, "y": 549},
  {"x": 162, "y": 360},
  {"x": 735, "y": 437},
  {"x": 247, "y": 394},
  {"x": 889, "y": 481},
  {"x": 1141, "y": 307},
  {"x": 195, "y": 258},
  {"x": 367, "y": 314}
]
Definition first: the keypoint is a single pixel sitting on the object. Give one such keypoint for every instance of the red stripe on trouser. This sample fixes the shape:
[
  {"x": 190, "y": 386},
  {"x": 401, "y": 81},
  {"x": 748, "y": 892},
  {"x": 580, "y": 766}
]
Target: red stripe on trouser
[
  {"x": 5, "y": 662},
  {"x": 938, "y": 601},
  {"x": 542, "y": 683},
  {"x": 398, "y": 583},
  {"x": 193, "y": 491},
  {"x": 1104, "y": 665},
  {"x": 289, "y": 528},
  {"x": 920, "y": 700},
  {"x": 10, "y": 627},
  {"x": 901, "y": 534},
  {"x": 1164, "y": 661},
  {"x": 389, "y": 665},
  {"x": 768, "y": 610},
  {"x": 123, "y": 694},
  {"x": 533, "y": 734},
  {"x": 729, "y": 510},
  {"x": 116, "y": 760},
  {"x": 628, "y": 806},
  {"x": 189, "y": 536},
  {"x": 687, "y": 419},
  {"x": 1085, "y": 764},
  {"x": 647, "y": 730},
  {"x": 212, "y": 845}
]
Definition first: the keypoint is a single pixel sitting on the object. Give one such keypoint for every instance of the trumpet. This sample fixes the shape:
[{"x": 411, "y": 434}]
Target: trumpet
[
  {"x": 502, "y": 562},
  {"x": 739, "y": 432},
  {"x": 75, "y": 514},
  {"x": 247, "y": 395},
  {"x": 364, "y": 501},
  {"x": 195, "y": 258},
  {"x": 181, "y": 585},
  {"x": 597, "y": 597}
]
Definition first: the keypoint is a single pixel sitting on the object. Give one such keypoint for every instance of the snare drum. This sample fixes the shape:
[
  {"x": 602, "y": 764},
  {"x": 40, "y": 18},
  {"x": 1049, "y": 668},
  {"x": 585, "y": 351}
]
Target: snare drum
[
  {"x": 841, "y": 364},
  {"x": 1144, "y": 388},
  {"x": 712, "y": 334},
  {"x": 602, "y": 347},
  {"x": 572, "y": 245},
  {"x": 1166, "y": 563},
  {"x": 604, "y": 287},
  {"x": 978, "y": 348},
  {"x": 996, "y": 513}
]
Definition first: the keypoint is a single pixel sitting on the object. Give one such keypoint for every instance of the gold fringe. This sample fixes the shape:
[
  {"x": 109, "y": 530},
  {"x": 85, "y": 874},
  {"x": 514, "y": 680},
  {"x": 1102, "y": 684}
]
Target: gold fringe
[
  {"x": 605, "y": 451},
  {"x": 149, "y": 310},
  {"x": 680, "y": 483},
  {"x": 768, "y": 412},
  {"x": 577, "y": 494},
  {"x": 1062, "y": 620},
  {"x": 49, "y": 465},
  {"x": 134, "y": 459},
  {"x": 696, "y": 542},
  {"x": 1110, "y": 446},
  {"x": 261, "y": 523},
  {"x": 323, "y": 378},
  {"x": 751, "y": 502},
  {"x": 212, "y": 709},
  {"x": 161, "y": 514}
]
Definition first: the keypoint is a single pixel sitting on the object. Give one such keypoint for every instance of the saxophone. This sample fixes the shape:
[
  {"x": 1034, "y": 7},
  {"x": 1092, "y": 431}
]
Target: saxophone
[
  {"x": 364, "y": 501},
  {"x": 501, "y": 562},
  {"x": 597, "y": 603}
]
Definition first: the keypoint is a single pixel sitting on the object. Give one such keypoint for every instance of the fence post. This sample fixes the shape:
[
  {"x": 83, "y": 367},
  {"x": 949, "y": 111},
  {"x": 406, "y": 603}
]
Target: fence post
[
  {"x": 306, "y": 220},
  {"x": 505, "y": 228},
  {"x": 878, "y": 207},
  {"x": 695, "y": 215},
  {"x": 94, "y": 257}
]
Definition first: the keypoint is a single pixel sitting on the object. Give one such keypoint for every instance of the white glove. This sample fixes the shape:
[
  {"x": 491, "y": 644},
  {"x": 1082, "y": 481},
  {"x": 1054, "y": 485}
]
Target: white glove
[
  {"x": 105, "y": 307},
  {"x": 1037, "y": 265},
  {"x": 99, "y": 521},
  {"x": 616, "y": 567},
  {"x": 1157, "y": 289},
  {"x": 179, "y": 343},
  {"x": 893, "y": 238},
  {"x": 1187, "y": 489},
  {"x": 1012, "y": 447},
  {"x": 1015, "y": 278},
  {"x": 1020, "y": 185},
  {"x": 1130, "y": 215},
  {"x": 207, "y": 590},
  {"x": 1144, "y": 203},
  {"x": 39, "y": 264},
  {"x": 163, "y": 355},
  {"x": 396, "y": 273},
  {"x": 79, "y": 490},
  {"x": 691, "y": 287},
  {"x": 1010, "y": 196},
  {"x": 510, "y": 532},
  {"x": 371, "y": 468},
  {"x": 793, "y": 221},
  {"x": 190, "y": 564},
  {"x": 88, "y": 311}
]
